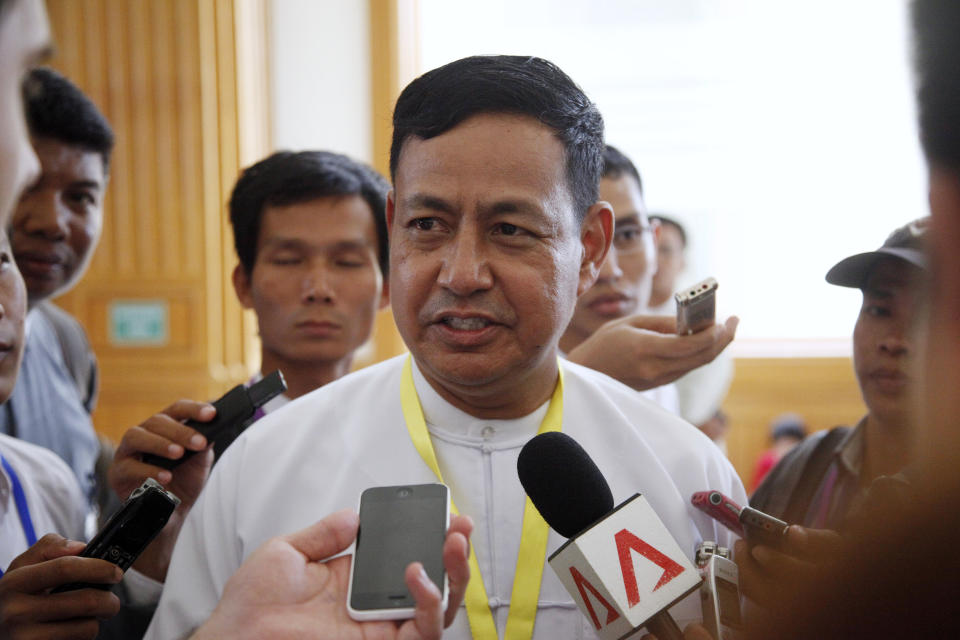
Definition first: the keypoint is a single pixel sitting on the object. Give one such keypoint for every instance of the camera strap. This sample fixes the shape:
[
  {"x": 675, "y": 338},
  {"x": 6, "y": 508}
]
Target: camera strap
[
  {"x": 21, "y": 501},
  {"x": 533, "y": 540}
]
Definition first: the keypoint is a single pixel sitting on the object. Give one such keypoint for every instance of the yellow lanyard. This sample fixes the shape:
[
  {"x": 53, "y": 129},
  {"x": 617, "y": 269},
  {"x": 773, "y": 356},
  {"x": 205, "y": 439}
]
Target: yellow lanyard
[{"x": 533, "y": 539}]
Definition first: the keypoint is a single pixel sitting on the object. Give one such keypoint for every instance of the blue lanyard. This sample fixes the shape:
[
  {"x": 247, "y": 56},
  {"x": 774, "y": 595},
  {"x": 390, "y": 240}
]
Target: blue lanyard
[{"x": 21, "y": 500}]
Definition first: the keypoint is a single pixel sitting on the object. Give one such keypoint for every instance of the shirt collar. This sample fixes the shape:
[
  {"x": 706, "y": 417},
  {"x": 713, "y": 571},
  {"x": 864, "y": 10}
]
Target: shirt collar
[{"x": 442, "y": 416}]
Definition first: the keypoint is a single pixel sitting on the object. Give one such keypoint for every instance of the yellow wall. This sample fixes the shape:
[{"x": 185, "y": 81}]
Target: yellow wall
[
  {"x": 823, "y": 390},
  {"x": 166, "y": 75}
]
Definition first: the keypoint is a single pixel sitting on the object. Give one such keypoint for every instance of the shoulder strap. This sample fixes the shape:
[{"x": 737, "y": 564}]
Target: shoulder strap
[
  {"x": 77, "y": 354},
  {"x": 812, "y": 476}
]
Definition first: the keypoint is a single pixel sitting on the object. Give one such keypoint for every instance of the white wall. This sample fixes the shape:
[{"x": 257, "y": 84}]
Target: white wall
[
  {"x": 320, "y": 76},
  {"x": 781, "y": 132}
]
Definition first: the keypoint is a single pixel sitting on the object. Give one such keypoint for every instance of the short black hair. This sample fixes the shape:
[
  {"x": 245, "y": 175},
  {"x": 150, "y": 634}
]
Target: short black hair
[
  {"x": 616, "y": 164},
  {"x": 936, "y": 27},
  {"x": 441, "y": 99},
  {"x": 288, "y": 177},
  {"x": 57, "y": 109},
  {"x": 673, "y": 222}
]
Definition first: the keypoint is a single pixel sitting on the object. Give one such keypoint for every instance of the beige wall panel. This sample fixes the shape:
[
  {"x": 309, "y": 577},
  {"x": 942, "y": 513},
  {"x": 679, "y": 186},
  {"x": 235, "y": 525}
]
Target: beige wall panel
[
  {"x": 165, "y": 74},
  {"x": 823, "y": 390}
]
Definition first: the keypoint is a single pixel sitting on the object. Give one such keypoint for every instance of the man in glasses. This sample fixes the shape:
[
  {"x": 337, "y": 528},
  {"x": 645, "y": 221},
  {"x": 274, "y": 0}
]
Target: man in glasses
[{"x": 605, "y": 333}]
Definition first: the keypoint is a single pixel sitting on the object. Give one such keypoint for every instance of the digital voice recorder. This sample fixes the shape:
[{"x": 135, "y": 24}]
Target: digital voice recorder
[
  {"x": 128, "y": 532},
  {"x": 235, "y": 407}
]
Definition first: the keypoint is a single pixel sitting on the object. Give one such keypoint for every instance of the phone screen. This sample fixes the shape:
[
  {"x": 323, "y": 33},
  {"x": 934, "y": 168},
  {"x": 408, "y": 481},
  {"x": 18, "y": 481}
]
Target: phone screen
[{"x": 398, "y": 525}]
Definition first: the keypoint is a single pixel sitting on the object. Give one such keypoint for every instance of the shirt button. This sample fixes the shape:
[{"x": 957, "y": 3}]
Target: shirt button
[{"x": 488, "y": 432}]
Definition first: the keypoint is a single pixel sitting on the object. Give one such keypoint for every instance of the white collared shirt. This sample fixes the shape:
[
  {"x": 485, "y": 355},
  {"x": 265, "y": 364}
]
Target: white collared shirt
[
  {"x": 52, "y": 492},
  {"x": 318, "y": 454}
]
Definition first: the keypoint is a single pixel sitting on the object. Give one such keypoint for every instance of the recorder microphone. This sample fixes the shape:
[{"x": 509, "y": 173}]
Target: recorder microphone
[
  {"x": 235, "y": 407},
  {"x": 619, "y": 562}
]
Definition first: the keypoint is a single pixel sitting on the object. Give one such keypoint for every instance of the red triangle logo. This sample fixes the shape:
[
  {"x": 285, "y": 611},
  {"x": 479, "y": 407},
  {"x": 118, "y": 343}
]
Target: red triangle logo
[
  {"x": 582, "y": 582},
  {"x": 626, "y": 542}
]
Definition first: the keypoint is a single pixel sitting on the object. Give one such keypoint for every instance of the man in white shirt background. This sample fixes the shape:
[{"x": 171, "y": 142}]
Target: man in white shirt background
[
  {"x": 613, "y": 329},
  {"x": 311, "y": 240},
  {"x": 496, "y": 229}
]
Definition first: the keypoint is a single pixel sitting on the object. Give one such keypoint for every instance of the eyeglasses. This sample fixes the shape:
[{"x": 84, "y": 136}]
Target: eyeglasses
[{"x": 628, "y": 238}]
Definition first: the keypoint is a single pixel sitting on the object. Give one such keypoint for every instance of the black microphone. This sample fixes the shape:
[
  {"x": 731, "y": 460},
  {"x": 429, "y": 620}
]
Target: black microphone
[{"x": 574, "y": 498}]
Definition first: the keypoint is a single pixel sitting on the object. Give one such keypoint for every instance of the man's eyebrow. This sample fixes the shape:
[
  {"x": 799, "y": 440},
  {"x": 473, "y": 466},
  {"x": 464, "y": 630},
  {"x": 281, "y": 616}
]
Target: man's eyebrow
[
  {"x": 511, "y": 206},
  {"x": 427, "y": 201},
  {"x": 86, "y": 184},
  {"x": 282, "y": 242},
  {"x": 288, "y": 242},
  {"x": 630, "y": 217},
  {"x": 881, "y": 290}
]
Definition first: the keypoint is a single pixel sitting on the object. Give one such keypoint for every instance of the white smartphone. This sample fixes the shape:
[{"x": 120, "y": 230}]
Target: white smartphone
[{"x": 398, "y": 525}]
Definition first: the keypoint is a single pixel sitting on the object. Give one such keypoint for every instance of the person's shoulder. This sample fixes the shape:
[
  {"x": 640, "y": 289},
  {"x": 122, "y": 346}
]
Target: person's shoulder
[
  {"x": 368, "y": 382},
  {"x": 45, "y": 473},
  {"x": 620, "y": 403},
  {"x": 57, "y": 315},
  {"x": 51, "y": 324},
  {"x": 38, "y": 461},
  {"x": 597, "y": 387},
  {"x": 355, "y": 392},
  {"x": 777, "y": 488}
]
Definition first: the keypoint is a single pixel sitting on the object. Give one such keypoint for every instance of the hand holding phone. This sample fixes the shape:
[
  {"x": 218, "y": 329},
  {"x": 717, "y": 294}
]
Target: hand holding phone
[
  {"x": 293, "y": 587},
  {"x": 398, "y": 525}
]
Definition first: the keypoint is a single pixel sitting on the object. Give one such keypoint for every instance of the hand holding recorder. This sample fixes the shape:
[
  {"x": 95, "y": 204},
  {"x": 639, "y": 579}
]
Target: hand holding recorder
[
  {"x": 165, "y": 447},
  {"x": 285, "y": 590},
  {"x": 800, "y": 562},
  {"x": 774, "y": 555},
  {"x": 645, "y": 351},
  {"x": 29, "y": 610},
  {"x": 164, "y": 434}
]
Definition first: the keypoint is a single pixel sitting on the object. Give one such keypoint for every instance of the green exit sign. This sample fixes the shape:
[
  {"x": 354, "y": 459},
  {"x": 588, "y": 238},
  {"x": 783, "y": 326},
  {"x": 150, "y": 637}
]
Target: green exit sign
[{"x": 139, "y": 323}]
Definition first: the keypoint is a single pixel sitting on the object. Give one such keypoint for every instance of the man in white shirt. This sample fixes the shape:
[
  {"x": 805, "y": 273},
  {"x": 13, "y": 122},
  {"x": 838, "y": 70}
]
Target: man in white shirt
[
  {"x": 495, "y": 230},
  {"x": 311, "y": 240}
]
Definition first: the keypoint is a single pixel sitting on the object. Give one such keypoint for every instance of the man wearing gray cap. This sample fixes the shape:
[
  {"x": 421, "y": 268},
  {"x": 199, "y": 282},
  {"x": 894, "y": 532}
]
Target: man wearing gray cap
[{"x": 822, "y": 480}]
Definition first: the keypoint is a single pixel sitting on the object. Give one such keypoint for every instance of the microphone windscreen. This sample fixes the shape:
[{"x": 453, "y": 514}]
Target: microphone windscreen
[{"x": 563, "y": 483}]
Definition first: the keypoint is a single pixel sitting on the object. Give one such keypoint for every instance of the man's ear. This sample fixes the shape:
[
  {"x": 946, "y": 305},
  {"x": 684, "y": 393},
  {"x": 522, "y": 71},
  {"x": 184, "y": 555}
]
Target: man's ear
[
  {"x": 384, "y": 295},
  {"x": 391, "y": 208},
  {"x": 596, "y": 234},
  {"x": 241, "y": 284}
]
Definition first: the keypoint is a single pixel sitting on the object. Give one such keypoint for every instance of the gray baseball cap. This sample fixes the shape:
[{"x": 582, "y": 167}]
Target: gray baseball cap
[{"x": 907, "y": 243}]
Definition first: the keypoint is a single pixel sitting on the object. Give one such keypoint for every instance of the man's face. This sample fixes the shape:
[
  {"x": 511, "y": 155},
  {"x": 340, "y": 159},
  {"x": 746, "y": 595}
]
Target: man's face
[
  {"x": 316, "y": 285},
  {"x": 883, "y": 349},
  {"x": 486, "y": 255},
  {"x": 13, "y": 311},
  {"x": 24, "y": 41},
  {"x": 56, "y": 225},
  {"x": 670, "y": 262},
  {"x": 623, "y": 286}
]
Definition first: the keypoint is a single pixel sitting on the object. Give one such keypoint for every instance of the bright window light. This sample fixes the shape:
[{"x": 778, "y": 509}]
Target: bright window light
[{"x": 781, "y": 133}]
